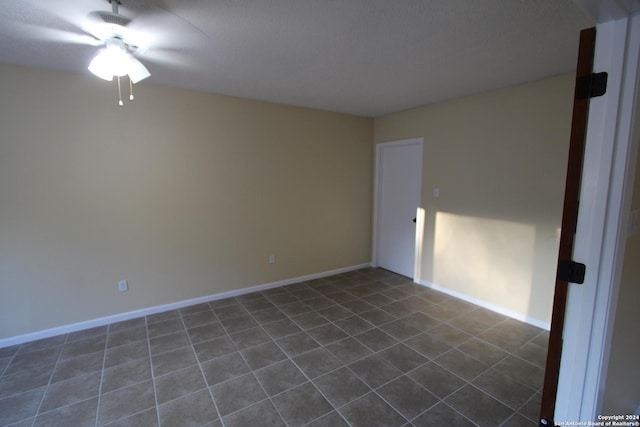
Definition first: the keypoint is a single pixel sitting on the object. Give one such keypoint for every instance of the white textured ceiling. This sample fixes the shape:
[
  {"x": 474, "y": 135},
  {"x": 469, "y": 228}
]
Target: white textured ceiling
[{"x": 365, "y": 57}]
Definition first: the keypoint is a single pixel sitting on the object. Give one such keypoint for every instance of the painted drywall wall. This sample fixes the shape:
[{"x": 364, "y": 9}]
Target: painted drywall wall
[
  {"x": 183, "y": 194},
  {"x": 499, "y": 162},
  {"x": 622, "y": 390}
]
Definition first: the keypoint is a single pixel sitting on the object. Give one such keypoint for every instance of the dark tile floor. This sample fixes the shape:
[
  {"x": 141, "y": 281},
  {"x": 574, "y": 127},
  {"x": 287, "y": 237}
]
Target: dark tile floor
[{"x": 365, "y": 348}]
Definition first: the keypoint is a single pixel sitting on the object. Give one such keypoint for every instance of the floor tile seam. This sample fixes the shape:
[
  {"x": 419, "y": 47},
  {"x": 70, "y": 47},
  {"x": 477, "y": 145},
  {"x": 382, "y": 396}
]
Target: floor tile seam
[
  {"x": 523, "y": 359},
  {"x": 387, "y": 347},
  {"x": 83, "y": 339},
  {"x": 155, "y": 322},
  {"x": 377, "y": 354},
  {"x": 353, "y": 335},
  {"x": 446, "y": 322},
  {"x": 34, "y": 416},
  {"x": 49, "y": 382},
  {"x": 72, "y": 379},
  {"x": 404, "y": 374},
  {"x": 192, "y": 313},
  {"x": 268, "y": 397},
  {"x": 486, "y": 327},
  {"x": 324, "y": 415},
  {"x": 499, "y": 400},
  {"x": 190, "y": 393},
  {"x": 153, "y": 377},
  {"x": 490, "y": 365},
  {"x": 168, "y": 351},
  {"x": 458, "y": 412},
  {"x": 333, "y": 408},
  {"x": 430, "y": 358},
  {"x": 384, "y": 400},
  {"x": 308, "y": 379},
  {"x": 526, "y": 402},
  {"x": 3, "y": 378},
  {"x": 526, "y": 361},
  {"x": 411, "y": 420},
  {"x": 64, "y": 359},
  {"x": 84, "y": 399},
  {"x": 124, "y": 417},
  {"x": 6, "y": 367},
  {"x": 487, "y": 392},
  {"x": 19, "y": 352},
  {"x": 509, "y": 352},
  {"x": 287, "y": 356},
  {"x": 512, "y": 416},
  {"x": 22, "y": 392},
  {"x": 127, "y": 417},
  {"x": 370, "y": 389},
  {"x": 405, "y": 339},
  {"x": 257, "y": 402},
  {"x": 201, "y": 369},
  {"x": 484, "y": 371},
  {"x": 535, "y": 390},
  {"x": 127, "y": 328},
  {"x": 452, "y": 373},
  {"x": 168, "y": 333},
  {"x": 253, "y": 373}
]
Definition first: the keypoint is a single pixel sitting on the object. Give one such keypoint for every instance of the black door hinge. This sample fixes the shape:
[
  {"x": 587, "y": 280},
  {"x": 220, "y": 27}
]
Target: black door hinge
[
  {"x": 570, "y": 271},
  {"x": 591, "y": 86}
]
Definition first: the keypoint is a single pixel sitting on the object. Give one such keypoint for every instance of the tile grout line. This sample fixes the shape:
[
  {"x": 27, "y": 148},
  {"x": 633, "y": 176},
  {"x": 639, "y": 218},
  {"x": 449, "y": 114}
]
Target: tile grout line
[
  {"x": 153, "y": 377},
  {"x": 346, "y": 366},
  {"x": 104, "y": 361},
  {"x": 199, "y": 364},
  {"x": 288, "y": 357},
  {"x": 46, "y": 387}
]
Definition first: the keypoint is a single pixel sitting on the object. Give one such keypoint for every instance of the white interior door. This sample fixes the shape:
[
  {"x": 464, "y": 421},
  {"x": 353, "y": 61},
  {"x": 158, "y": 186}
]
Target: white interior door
[{"x": 398, "y": 179}]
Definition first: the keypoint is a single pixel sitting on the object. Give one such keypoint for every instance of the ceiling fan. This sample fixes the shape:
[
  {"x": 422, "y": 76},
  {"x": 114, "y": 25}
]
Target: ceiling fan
[
  {"x": 147, "y": 31},
  {"x": 116, "y": 58}
]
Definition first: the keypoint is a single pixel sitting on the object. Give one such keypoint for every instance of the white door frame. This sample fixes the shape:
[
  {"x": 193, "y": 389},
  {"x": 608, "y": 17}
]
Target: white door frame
[
  {"x": 377, "y": 199},
  {"x": 601, "y": 231}
]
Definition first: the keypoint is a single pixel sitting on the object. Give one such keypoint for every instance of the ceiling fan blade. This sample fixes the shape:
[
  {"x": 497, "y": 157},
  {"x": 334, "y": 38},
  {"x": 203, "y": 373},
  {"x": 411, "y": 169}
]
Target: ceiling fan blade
[
  {"x": 169, "y": 57},
  {"x": 53, "y": 35},
  {"x": 153, "y": 26}
]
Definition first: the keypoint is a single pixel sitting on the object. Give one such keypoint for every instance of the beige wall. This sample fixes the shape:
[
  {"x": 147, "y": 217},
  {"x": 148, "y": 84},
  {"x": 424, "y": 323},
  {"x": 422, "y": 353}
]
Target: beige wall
[
  {"x": 499, "y": 160},
  {"x": 183, "y": 194},
  {"x": 622, "y": 390}
]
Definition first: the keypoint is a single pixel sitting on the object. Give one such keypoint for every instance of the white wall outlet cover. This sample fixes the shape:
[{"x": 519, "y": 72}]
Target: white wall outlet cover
[{"x": 123, "y": 286}]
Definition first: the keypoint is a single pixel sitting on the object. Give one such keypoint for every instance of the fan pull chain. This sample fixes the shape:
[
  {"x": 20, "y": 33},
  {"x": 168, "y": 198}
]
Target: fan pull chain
[
  {"x": 120, "y": 103},
  {"x": 130, "y": 89}
]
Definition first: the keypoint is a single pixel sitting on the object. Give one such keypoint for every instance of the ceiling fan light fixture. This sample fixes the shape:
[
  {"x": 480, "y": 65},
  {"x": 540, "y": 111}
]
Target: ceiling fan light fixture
[
  {"x": 137, "y": 71},
  {"x": 115, "y": 60},
  {"x": 100, "y": 66}
]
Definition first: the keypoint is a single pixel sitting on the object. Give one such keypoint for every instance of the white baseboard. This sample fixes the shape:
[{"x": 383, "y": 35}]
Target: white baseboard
[
  {"x": 484, "y": 304},
  {"x": 74, "y": 327}
]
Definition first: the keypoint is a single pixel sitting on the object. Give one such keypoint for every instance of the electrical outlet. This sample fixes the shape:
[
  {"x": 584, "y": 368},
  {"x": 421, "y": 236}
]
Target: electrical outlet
[
  {"x": 272, "y": 259},
  {"x": 123, "y": 286}
]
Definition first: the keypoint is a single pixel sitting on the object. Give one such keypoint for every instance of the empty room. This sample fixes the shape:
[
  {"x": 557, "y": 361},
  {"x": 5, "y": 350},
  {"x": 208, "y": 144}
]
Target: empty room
[{"x": 297, "y": 213}]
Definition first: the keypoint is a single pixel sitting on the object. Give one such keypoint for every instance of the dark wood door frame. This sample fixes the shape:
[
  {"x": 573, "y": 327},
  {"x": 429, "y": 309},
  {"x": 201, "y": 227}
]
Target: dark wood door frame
[{"x": 579, "y": 120}]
